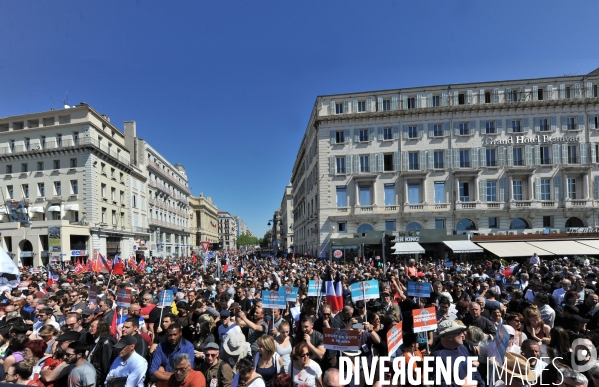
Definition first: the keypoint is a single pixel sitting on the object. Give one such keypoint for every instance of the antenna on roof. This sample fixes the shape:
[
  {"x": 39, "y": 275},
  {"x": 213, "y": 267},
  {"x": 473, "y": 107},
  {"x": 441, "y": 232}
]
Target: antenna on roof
[{"x": 66, "y": 100}]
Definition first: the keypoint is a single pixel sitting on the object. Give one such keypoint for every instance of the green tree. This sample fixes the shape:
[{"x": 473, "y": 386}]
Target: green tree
[{"x": 246, "y": 240}]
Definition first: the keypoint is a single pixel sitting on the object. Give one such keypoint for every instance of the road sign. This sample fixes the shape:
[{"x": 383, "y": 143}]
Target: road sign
[{"x": 205, "y": 246}]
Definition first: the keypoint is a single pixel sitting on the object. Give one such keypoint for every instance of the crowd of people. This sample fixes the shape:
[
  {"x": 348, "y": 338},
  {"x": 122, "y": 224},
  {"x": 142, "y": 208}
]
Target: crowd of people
[{"x": 216, "y": 333}]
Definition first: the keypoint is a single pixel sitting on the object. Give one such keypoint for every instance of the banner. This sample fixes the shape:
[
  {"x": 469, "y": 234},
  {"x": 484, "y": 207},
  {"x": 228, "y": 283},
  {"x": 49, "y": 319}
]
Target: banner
[
  {"x": 54, "y": 238},
  {"x": 315, "y": 288},
  {"x": 498, "y": 347},
  {"x": 425, "y": 319},
  {"x": 23, "y": 285},
  {"x": 419, "y": 289},
  {"x": 123, "y": 297},
  {"x": 394, "y": 338},
  {"x": 291, "y": 292},
  {"x": 17, "y": 211},
  {"x": 93, "y": 294},
  {"x": 341, "y": 339},
  {"x": 272, "y": 299},
  {"x": 165, "y": 298},
  {"x": 365, "y": 290}
]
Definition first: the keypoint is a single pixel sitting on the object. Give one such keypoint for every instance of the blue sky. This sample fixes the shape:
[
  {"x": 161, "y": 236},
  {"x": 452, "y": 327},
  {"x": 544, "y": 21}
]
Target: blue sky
[{"x": 226, "y": 87}]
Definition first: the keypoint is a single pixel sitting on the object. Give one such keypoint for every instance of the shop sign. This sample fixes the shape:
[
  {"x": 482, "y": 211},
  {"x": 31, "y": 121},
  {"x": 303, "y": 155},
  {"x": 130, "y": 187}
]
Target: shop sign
[
  {"x": 583, "y": 230},
  {"x": 406, "y": 239},
  {"x": 537, "y": 139},
  {"x": 79, "y": 253}
]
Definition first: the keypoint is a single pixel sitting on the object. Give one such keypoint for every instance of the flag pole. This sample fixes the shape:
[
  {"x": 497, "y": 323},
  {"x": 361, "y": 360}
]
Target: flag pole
[{"x": 163, "y": 306}]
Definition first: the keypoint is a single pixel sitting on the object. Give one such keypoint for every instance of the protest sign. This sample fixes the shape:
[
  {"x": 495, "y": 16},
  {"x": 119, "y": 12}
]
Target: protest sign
[
  {"x": 419, "y": 289},
  {"x": 93, "y": 294},
  {"x": 123, "y": 297},
  {"x": 272, "y": 299},
  {"x": 394, "y": 338},
  {"x": 498, "y": 347},
  {"x": 424, "y": 319},
  {"x": 23, "y": 285},
  {"x": 314, "y": 288},
  {"x": 291, "y": 292},
  {"x": 165, "y": 298},
  {"x": 365, "y": 290},
  {"x": 341, "y": 339}
]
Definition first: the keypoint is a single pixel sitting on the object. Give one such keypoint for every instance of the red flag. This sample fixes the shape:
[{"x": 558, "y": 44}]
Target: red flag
[
  {"x": 142, "y": 266},
  {"x": 113, "y": 325},
  {"x": 118, "y": 268},
  {"x": 195, "y": 259},
  {"x": 79, "y": 268},
  {"x": 132, "y": 264}
]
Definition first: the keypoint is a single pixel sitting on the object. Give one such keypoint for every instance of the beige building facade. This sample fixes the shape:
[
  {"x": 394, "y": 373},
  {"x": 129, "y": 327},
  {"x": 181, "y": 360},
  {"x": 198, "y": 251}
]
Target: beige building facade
[
  {"x": 286, "y": 220},
  {"x": 204, "y": 218}
]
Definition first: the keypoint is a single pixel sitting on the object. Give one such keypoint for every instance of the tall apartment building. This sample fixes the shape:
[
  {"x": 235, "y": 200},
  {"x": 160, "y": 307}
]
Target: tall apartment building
[
  {"x": 65, "y": 178},
  {"x": 242, "y": 228},
  {"x": 204, "y": 216},
  {"x": 286, "y": 220},
  {"x": 227, "y": 231},
  {"x": 508, "y": 156}
]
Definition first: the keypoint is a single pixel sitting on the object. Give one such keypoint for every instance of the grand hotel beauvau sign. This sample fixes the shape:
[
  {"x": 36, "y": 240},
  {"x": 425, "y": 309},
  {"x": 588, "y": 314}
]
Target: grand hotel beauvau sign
[{"x": 537, "y": 139}]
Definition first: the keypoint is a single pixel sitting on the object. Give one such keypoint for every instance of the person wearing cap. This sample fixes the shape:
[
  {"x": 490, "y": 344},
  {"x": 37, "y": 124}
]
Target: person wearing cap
[
  {"x": 129, "y": 367},
  {"x": 451, "y": 347},
  {"x": 161, "y": 368},
  {"x": 62, "y": 343},
  {"x": 217, "y": 372}
]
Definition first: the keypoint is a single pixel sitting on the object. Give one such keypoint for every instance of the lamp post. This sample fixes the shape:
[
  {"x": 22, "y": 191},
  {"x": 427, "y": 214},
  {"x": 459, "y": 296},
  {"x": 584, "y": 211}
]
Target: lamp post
[{"x": 273, "y": 222}]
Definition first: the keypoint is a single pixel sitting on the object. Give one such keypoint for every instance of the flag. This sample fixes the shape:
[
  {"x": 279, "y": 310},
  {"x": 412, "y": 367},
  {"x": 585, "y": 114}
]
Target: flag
[
  {"x": 338, "y": 291},
  {"x": 52, "y": 276},
  {"x": 131, "y": 264},
  {"x": 193, "y": 255},
  {"x": 118, "y": 266},
  {"x": 328, "y": 289},
  {"x": 10, "y": 274},
  {"x": 511, "y": 270},
  {"x": 79, "y": 268},
  {"x": 142, "y": 266},
  {"x": 114, "y": 324}
]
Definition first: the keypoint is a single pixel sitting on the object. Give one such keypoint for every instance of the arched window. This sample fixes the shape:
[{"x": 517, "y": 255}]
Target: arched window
[
  {"x": 518, "y": 224},
  {"x": 465, "y": 224},
  {"x": 574, "y": 222},
  {"x": 413, "y": 226},
  {"x": 365, "y": 227}
]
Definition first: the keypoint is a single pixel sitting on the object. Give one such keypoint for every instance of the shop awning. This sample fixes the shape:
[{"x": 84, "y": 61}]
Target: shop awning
[
  {"x": 590, "y": 242},
  {"x": 54, "y": 209},
  {"x": 39, "y": 210},
  {"x": 565, "y": 247},
  {"x": 408, "y": 248},
  {"x": 513, "y": 249},
  {"x": 463, "y": 247},
  {"x": 71, "y": 207}
]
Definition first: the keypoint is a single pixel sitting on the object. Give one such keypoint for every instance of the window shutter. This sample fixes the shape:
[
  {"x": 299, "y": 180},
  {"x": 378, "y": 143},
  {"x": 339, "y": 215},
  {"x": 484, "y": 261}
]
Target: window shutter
[
  {"x": 447, "y": 158},
  {"x": 483, "y": 127},
  {"x": 577, "y": 91},
  {"x": 333, "y": 136},
  {"x": 369, "y": 104},
  {"x": 562, "y": 91},
  {"x": 510, "y": 156},
  {"x": 592, "y": 122},
  {"x": 420, "y": 130},
  {"x": 431, "y": 159},
  {"x": 501, "y": 156},
  {"x": 537, "y": 188},
  {"x": 589, "y": 90},
  {"x": 481, "y": 96},
  {"x": 404, "y": 101},
  {"x": 396, "y": 161},
  {"x": 474, "y": 154},
  {"x": 456, "y": 96},
  {"x": 564, "y": 123},
  {"x": 555, "y": 154},
  {"x": 404, "y": 161},
  {"x": 535, "y": 93},
  {"x": 581, "y": 125},
  {"x": 553, "y": 123},
  {"x": 444, "y": 97},
  {"x": 596, "y": 187},
  {"x": 564, "y": 154},
  {"x": 528, "y": 155},
  {"x": 583, "y": 153},
  {"x": 356, "y": 135},
  {"x": 356, "y": 160},
  {"x": 557, "y": 187},
  {"x": 396, "y": 132},
  {"x": 346, "y": 106},
  {"x": 347, "y": 134},
  {"x": 332, "y": 107},
  {"x": 472, "y": 127},
  {"x": 502, "y": 189},
  {"x": 549, "y": 91},
  {"x": 405, "y": 131},
  {"x": 483, "y": 157},
  {"x": 483, "y": 190},
  {"x": 380, "y": 133},
  {"x": 446, "y": 129},
  {"x": 373, "y": 162},
  {"x": 495, "y": 95},
  {"x": 381, "y": 161},
  {"x": 418, "y": 101},
  {"x": 431, "y": 131},
  {"x": 429, "y": 99},
  {"x": 537, "y": 155},
  {"x": 354, "y": 106},
  {"x": 526, "y": 123},
  {"x": 394, "y": 103},
  {"x": 499, "y": 123},
  {"x": 593, "y": 153},
  {"x": 422, "y": 160},
  {"x": 380, "y": 104},
  {"x": 521, "y": 96},
  {"x": 508, "y": 125},
  {"x": 537, "y": 124},
  {"x": 332, "y": 165},
  {"x": 348, "y": 160},
  {"x": 508, "y": 94},
  {"x": 371, "y": 134},
  {"x": 456, "y": 158},
  {"x": 456, "y": 128},
  {"x": 469, "y": 95}
]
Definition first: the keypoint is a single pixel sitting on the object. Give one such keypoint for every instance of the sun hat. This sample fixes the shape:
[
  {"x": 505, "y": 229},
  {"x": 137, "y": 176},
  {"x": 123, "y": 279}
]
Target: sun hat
[
  {"x": 235, "y": 344},
  {"x": 515, "y": 365}
]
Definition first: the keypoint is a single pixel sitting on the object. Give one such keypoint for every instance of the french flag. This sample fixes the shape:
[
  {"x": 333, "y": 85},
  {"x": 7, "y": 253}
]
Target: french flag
[
  {"x": 333, "y": 291},
  {"x": 52, "y": 276},
  {"x": 511, "y": 270}
]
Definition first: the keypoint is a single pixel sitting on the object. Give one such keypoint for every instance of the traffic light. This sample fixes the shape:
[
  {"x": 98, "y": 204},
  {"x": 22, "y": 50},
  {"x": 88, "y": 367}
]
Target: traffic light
[
  {"x": 151, "y": 253},
  {"x": 388, "y": 245}
]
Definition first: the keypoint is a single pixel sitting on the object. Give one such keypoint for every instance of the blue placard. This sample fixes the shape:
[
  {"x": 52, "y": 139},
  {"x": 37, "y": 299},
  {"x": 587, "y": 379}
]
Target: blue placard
[
  {"x": 419, "y": 289},
  {"x": 273, "y": 299},
  {"x": 365, "y": 290},
  {"x": 449, "y": 264},
  {"x": 315, "y": 288},
  {"x": 291, "y": 292},
  {"x": 165, "y": 298}
]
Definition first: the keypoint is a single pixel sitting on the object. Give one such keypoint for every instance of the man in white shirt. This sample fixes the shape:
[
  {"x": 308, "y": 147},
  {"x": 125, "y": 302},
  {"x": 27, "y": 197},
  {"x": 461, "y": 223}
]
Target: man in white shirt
[
  {"x": 558, "y": 294},
  {"x": 547, "y": 313},
  {"x": 129, "y": 365}
]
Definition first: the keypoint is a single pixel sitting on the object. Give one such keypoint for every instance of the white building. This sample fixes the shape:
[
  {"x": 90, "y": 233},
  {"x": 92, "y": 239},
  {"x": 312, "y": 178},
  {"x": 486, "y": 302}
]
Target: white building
[
  {"x": 487, "y": 157},
  {"x": 286, "y": 220},
  {"x": 227, "y": 231}
]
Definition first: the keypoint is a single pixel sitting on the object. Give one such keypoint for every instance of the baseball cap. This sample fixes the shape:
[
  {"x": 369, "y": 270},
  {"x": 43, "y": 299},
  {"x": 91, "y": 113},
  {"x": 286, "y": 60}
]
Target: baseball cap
[
  {"x": 69, "y": 336},
  {"x": 224, "y": 313},
  {"x": 125, "y": 341},
  {"x": 450, "y": 326},
  {"x": 211, "y": 346}
]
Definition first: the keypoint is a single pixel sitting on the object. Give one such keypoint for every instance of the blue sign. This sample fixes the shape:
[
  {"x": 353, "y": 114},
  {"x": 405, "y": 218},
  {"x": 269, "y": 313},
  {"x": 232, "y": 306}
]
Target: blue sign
[
  {"x": 273, "y": 299},
  {"x": 165, "y": 298},
  {"x": 291, "y": 292},
  {"x": 449, "y": 264},
  {"x": 211, "y": 254},
  {"x": 419, "y": 289},
  {"x": 314, "y": 288},
  {"x": 365, "y": 290}
]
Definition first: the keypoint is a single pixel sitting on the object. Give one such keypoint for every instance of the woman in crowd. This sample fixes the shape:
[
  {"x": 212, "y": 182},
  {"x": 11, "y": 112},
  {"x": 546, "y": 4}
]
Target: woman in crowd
[
  {"x": 246, "y": 375},
  {"x": 304, "y": 371},
  {"x": 101, "y": 354},
  {"x": 16, "y": 346},
  {"x": 515, "y": 321},
  {"x": 267, "y": 362},
  {"x": 559, "y": 343},
  {"x": 534, "y": 327},
  {"x": 284, "y": 344},
  {"x": 49, "y": 334},
  {"x": 496, "y": 317},
  {"x": 4, "y": 341},
  {"x": 23, "y": 372},
  {"x": 571, "y": 298}
]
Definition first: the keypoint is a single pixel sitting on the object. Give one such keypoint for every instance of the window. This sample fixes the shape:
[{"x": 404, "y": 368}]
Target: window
[
  {"x": 388, "y": 162},
  {"x": 25, "y": 190},
  {"x": 413, "y": 161},
  {"x": 122, "y": 197},
  {"x": 103, "y": 191},
  {"x": 56, "y": 215},
  {"x": 41, "y": 189},
  {"x": 340, "y": 137},
  {"x": 568, "y": 95},
  {"x": 49, "y": 121},
  {"x": 464, "y": 129},
  {"x": 412, "y": 131},
  {"x": 66, "y": 119},
  {"x": 40, "y": 165},
  {"x": 544, "y": 125},
  {"x": 361, "y": 106},
  {"x": 547, "y": 221},
  {"x": 364, "y": 163},
  {"x": 365, "y": 199},
  {"x": 493, "y": 222},
  {"x": 339, "y": 108},
  {"x": 488, "y": 97},
  {"x": 572, "y": 154},
  {"x": 134, "y": 201},
  {"x": 59, "y": 139},
  {"x": 386, "y": 104},
  {"x": 572, "y": 188},
  {"x": 389, "y": 225},
  {"x": 438, "y": 130},
  {"x": 340, "y": 164},
  {"x": 513, "y": 95},
  {"x": 9, "y": 168},
  {"x": 42, "y": 142},
  {"x": 491, "y": 157},
  {"x": 516, "y": 127},
  {"x": 122, "y": 177},
  {"x": 73, "y": 163},
  {"x": 363, "y": 135},
  {"x": 74, "y": 187},
  {"x": 56, "y": 164},
  {"x": 571, "y": 123},
  {"x": 103, "y": 215},
  {"x": 491, "y": 191},
  {"x": 27, "y": 143},
  {"x": 24, "y": 167},
  {"x": 387, "y": 133},
  {"x": 439, "y": 223},
  {"x": 545, "y": 189},
  {"x": 412, "y": 103},
  {"x": 518, "y": 160},
  {"x": 436, "y": 100},
  {"x": 517, "y": 189},
  {"x": 112, "y": 173},
  {"x": 439, "y": 192},
  {"x": 113, "y": 194},
  {"x": 389, "y": 194},
  {"x": 10, "y": 191},
  {"x": 413, "y": 193},
  {"x": 57, "y": 188},
  {"x": 540, "y": 95},
  {"x": 464, "y": 191},
  {"x": 490, "y": 127},
  {"x": 11, "y": 144},
  {"x": 461, "y": 99},
  {"x": 114, "y": 217},
  {"x": 342, "y": 196},
  {"x": 544, "y": 153},
  {"x": 438, "y": 159},
  {"x": 75, "y": 138},
  {"x": 464, "y": 158},
  {"x": 342, "y": 227}
]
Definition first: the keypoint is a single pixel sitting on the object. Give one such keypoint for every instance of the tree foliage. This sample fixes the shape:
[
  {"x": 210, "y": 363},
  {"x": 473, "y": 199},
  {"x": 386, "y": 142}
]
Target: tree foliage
[{"x": 246, "y": 240}]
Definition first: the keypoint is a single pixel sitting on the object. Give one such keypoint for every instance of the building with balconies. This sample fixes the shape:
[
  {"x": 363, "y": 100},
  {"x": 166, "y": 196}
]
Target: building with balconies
[
  {"x": 65, "y": 178},
  {"x": 509, "y": 156},
  {"x": 286, "y": 220},
  {"x": 204, "y": 216},
  {"x": 227, "y": 231}
]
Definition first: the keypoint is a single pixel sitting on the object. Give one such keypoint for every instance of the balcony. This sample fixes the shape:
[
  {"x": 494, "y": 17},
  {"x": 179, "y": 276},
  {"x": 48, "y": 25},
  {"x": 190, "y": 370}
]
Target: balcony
[
  {"x": 426, "y": 207},
  {"x": 495, "y": 206},
  {"x": 391, "y": 208},
  {"x": 363, "y": 209},
  {"x": 521, "y": 204},
  {"x": 578, "y": 203},
  {"x": 162, "y": 172},
  {"x": 466, "y": 206},
  {"x": 141, "y": 230}
]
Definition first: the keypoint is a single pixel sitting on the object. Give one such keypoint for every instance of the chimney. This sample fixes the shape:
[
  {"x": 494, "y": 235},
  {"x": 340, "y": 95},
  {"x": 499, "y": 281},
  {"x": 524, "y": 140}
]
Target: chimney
[{"x": 130, "y": 138}]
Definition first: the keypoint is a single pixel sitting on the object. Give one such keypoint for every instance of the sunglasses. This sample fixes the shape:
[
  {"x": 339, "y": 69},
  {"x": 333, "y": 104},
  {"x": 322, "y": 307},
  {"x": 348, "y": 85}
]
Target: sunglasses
[{"x": 304, "y": 355}]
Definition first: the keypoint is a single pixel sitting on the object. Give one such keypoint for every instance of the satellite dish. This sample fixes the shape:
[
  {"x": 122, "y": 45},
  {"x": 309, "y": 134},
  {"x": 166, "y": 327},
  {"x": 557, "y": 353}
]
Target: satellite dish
[{"x": 67, "y": 107}]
